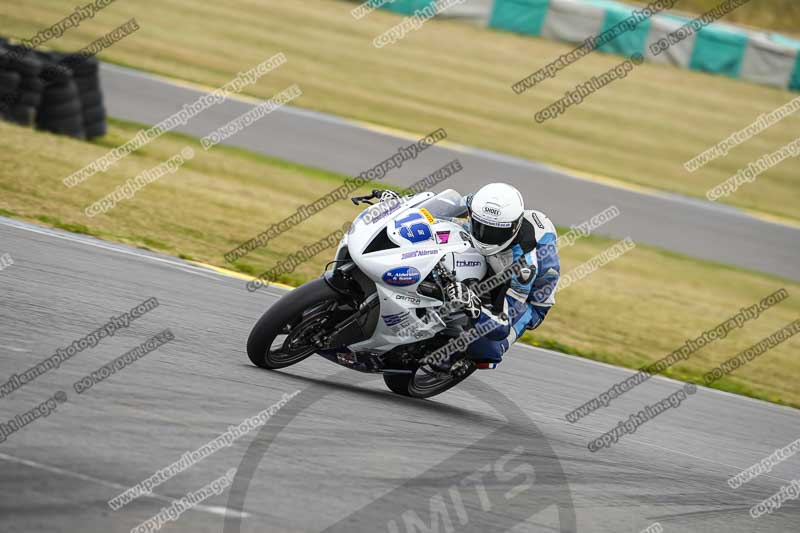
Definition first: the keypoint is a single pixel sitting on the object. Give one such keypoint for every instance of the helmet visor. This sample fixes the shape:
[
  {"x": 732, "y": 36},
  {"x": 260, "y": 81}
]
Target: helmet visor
[{"x": 494, "y": 233}]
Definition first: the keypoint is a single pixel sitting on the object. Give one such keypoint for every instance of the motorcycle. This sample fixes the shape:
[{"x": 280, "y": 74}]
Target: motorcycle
[{"x": 382, "y": 307}]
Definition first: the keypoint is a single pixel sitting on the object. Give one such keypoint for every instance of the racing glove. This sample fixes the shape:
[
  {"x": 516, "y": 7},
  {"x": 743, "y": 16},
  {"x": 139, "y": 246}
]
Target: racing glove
[{"x": 459, "y": 294}]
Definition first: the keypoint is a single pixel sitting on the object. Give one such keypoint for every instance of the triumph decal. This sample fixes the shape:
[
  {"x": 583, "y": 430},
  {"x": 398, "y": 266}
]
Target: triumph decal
[
  {"x": 462, "y": 263},
  {"x": 401, "y": 276}
]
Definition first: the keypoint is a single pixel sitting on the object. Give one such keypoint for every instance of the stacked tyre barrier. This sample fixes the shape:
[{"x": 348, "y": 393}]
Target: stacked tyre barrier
[{"x": 54, "y": 92}]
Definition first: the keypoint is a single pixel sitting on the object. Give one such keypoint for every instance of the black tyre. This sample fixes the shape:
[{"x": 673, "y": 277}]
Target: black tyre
[
  {"x": 281, "y": 337},
  {"x": 91, "y": 98},
  {"x": 60, "y": 94},
  {"x": 422, "y": 383},
  {"x": 22, "y": 115},
  {"x": 7, "y": 102},
  {"x": 9, "y": 81},
  {"x": 66, "y": 110},
  {"x": 53, "y": 74},
  {"x": 88, "y": 85},
  {"x": 92, "y": 114},
  {"x": 9, "y": 99},
  {"x": 81, "y": 66},
  {"x": 72, "y": 127},
  {"x": 85, "y": 73},
  {"x": 30, "y": 99},
  {"x": 31, "y": 84},
  {"x": 85, "y": 67},
  {"x": 22, "y": 61},
  {"x": 95, "y": 129},
  {"x": 57, "y": 57}
]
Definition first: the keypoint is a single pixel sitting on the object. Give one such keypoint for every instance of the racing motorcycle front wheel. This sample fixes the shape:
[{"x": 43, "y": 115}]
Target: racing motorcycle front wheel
[
  {"x": 425, "y": 382},
  {"x": 283, "y": 336}
]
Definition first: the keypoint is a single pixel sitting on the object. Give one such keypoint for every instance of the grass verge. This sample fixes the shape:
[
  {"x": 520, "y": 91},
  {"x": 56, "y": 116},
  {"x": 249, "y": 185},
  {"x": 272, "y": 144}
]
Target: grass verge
[
  {"x": 453, "y": 75},
  {"x": 634, "y": 310}
]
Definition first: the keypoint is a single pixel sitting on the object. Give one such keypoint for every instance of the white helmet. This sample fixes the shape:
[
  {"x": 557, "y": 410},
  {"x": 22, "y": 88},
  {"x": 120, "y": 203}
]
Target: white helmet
[{"x": 495, "y": 217}]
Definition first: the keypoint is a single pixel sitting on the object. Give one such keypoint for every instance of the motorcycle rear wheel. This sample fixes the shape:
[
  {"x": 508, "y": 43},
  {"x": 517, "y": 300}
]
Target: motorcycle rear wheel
[{"x": 423, "y": 384}]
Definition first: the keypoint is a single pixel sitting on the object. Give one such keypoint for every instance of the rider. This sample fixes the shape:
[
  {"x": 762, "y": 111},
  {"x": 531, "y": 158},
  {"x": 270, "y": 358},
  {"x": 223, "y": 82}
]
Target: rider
[{"x": 504, "y": 232}]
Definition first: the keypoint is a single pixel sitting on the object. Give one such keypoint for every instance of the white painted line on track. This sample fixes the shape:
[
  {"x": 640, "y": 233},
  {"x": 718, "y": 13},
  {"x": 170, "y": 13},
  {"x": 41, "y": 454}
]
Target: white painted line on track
[
  {"x": 13, "y": 349},
  {"x": 212, "y": 509},
  {"x": 119, "y": 248}
]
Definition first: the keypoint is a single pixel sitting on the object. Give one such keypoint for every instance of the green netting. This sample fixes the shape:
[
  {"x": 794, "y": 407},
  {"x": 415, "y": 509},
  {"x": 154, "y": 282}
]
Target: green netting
[
  {"x": 407, "y": 7},
  {"x": 627, "y": 41},
  {"x": 520, "y": 16},
  {"x": 719, "y": 51}
]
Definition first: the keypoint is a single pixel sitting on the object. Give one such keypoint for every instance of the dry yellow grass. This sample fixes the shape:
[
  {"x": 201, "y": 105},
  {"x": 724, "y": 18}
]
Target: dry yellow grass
[
  {"x": 453, "y": 75},
  {"x": 633, "y": 311}
]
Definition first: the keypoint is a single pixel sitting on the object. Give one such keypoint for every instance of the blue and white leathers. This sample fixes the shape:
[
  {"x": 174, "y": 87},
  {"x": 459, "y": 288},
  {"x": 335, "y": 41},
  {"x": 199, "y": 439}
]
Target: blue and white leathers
[{"x": 530, "y": 295}]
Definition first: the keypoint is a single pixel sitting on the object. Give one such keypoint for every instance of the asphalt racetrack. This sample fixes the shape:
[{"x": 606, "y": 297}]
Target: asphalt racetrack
[
  {"x": 345, "y": 454},
  {"x": 690, "y": 226}
]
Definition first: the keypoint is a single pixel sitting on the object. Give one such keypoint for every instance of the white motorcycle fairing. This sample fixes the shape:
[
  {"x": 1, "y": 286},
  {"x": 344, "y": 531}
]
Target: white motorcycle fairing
[{"x": 396, "y": 244}]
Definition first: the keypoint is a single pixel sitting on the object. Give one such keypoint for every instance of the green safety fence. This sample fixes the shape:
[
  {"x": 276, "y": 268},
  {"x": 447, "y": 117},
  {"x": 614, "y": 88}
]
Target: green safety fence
[
  {"x": 519, "y": 16},
  {"x": 718, "y": 51},
  {"x": 715, "y": 48},
  {"x": 794, "y": 82},
  {"x": 628, "y": 43}
]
